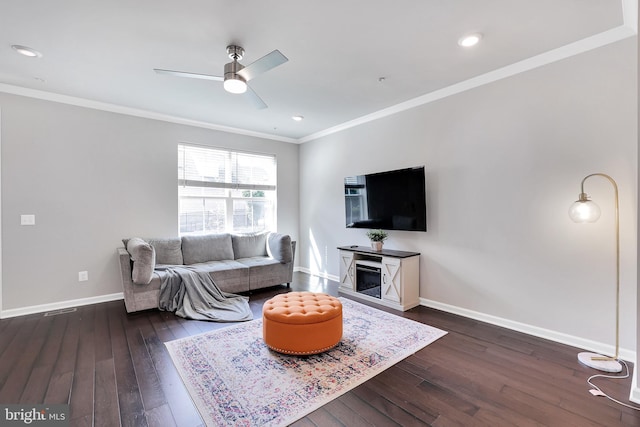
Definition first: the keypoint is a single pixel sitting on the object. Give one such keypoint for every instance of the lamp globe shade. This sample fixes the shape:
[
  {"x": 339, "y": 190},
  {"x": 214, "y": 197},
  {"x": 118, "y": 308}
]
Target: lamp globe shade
[{"x": 584, "y": 211}]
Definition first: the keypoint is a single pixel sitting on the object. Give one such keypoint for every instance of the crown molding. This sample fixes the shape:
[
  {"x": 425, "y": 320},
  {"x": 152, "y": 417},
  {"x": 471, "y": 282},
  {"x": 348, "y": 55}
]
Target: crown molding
[
  {"x": 119, "y": 109},
  {"x": 593, "y": 42}
]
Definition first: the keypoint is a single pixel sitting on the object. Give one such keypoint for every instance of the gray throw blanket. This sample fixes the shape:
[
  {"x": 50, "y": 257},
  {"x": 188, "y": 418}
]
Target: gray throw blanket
[{"x": 192, "y": 294}]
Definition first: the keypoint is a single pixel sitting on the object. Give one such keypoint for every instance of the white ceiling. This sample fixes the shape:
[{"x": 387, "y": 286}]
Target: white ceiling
[{"x": 106, "y": 50}]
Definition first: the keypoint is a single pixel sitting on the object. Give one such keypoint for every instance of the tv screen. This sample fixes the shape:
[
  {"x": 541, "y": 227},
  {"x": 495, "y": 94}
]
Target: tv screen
[{"x": 393, "y": 200}]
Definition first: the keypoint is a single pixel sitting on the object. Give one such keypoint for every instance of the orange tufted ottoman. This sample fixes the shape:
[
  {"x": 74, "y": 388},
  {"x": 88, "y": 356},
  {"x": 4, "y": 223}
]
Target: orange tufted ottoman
[{"x": 302, "y": 322}]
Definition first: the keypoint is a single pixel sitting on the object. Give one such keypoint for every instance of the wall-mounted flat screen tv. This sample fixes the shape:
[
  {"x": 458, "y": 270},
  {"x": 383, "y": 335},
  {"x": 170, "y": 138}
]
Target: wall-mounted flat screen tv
[{"x": 392, "y": 200}]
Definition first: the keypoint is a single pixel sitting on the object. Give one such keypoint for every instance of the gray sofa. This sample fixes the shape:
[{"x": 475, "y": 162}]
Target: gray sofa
[{"x": 236, "y": 263}]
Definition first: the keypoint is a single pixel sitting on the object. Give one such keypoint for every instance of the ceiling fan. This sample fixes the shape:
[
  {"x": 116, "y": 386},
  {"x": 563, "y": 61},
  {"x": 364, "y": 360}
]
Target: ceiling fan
[{"x": 237, "y": 75}]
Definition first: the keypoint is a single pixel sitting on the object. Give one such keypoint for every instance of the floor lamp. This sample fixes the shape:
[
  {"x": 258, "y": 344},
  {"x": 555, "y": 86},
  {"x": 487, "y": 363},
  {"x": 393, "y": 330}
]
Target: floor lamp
[{"x": 584, "y": 210}]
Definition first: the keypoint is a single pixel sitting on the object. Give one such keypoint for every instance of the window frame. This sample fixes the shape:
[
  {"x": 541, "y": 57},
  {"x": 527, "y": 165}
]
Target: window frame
[{"x": 234, "y": 170}]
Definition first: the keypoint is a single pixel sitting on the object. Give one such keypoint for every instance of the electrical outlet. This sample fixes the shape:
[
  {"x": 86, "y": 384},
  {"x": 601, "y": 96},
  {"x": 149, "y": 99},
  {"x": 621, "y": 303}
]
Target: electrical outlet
[
  {"x": 27, "y": 220},
  {"x": 83, "y": 276}
]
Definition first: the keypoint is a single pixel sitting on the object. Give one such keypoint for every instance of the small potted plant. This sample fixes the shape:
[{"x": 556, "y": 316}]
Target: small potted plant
[{"x": 377, "y": 238}]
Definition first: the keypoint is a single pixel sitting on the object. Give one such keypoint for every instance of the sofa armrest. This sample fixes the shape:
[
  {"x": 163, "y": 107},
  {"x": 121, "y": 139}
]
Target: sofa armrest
[
  {"x": 124, "y": 260},
  {"x": 279, "y": 247}
]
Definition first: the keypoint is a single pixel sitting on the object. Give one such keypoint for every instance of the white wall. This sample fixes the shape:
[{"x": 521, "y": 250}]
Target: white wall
[
  {"x": 504, "y": 162},
  {"x": 91, "y": 178}
]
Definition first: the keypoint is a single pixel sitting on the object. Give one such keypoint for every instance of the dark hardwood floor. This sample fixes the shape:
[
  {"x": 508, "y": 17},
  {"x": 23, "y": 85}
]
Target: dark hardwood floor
[{"x": 112, "y": 368}]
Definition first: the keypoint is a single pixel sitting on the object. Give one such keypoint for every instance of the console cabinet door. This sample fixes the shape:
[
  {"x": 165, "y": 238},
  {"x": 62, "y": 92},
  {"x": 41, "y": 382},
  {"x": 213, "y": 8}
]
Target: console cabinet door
[
  {"x": 391, "y": 279},
  {"x": 347, "y": 270}
]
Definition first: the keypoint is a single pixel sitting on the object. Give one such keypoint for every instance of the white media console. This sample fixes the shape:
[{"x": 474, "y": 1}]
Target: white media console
[{"x": 387, "y": 277}]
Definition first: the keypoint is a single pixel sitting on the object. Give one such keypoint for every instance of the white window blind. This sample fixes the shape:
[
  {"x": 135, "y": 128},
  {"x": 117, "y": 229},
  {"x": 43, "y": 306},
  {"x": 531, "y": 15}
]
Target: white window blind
[{"x": 224, "y": 190}]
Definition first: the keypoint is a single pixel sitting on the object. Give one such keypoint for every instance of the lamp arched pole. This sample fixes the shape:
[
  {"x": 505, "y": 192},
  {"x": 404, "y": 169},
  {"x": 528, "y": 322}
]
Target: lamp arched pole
[{"x": 605, "y": 363}]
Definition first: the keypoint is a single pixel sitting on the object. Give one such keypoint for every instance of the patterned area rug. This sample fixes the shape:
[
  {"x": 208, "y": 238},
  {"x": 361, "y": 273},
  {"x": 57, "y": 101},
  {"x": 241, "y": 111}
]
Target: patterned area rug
[{"x": 235, "y": 380}]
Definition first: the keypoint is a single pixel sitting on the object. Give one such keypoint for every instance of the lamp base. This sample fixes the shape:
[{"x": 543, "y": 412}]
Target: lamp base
[{"x": 609, "y": 364}]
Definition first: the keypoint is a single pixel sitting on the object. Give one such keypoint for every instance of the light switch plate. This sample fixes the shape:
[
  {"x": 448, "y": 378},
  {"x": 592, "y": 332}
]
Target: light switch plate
[{"x": 27, "y": 220}]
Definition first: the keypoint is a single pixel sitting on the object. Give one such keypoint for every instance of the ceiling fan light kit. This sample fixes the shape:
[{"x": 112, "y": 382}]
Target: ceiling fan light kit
[{"x": 233, "y": 82}]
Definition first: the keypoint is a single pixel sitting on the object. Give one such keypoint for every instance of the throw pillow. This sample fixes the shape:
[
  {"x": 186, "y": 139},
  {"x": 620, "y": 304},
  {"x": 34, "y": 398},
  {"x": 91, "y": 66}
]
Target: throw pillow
[
  {"x": 249, "y": 245},
  {"x": 168, "y": 251},
  {"x": 207, "y": 247},
  {"x": 144, "y": 260},
  {"x": 279, "y": 246}
]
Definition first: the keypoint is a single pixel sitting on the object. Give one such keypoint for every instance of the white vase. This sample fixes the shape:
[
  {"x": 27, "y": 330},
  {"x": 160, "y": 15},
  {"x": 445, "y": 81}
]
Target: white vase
[{"x": 376, "y": 246}]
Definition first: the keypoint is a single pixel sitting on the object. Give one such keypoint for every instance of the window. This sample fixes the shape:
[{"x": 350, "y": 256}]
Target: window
[{"x": 221, "y": 190}]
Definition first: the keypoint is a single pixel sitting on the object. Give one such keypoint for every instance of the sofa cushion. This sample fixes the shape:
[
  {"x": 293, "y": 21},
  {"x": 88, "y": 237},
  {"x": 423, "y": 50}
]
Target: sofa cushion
[
  {"x": 144, "y": 260},
  {"x": 207, "y": 247},
  {"x": 168, "y": 251},
  {"x": 264, "y": 271},
  {"x": 249, "y": 245}
]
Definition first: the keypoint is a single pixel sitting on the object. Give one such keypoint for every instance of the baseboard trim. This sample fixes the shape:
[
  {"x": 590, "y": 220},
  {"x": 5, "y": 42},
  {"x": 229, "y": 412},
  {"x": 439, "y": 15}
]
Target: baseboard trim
[
  {"x": 324, "y": 275},
  {"x": 634, "y": 393},
  {"x": 559, "y": 337},
  {"x": 34, "y": 309}
]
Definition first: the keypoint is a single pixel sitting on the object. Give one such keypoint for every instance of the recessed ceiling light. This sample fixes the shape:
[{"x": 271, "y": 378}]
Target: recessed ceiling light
[
  {"x": 26, "y": 51},
  {"x": 470, "y": 40},
  {"x": 297, "y": 118}
]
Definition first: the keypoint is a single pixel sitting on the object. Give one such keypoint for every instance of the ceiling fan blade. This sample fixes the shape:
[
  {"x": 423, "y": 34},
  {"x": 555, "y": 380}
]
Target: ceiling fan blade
[
  {"x": 190, "y": 75},
  {"x": 264, "y": 64},
  {"x": 255, "y": 99}
]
